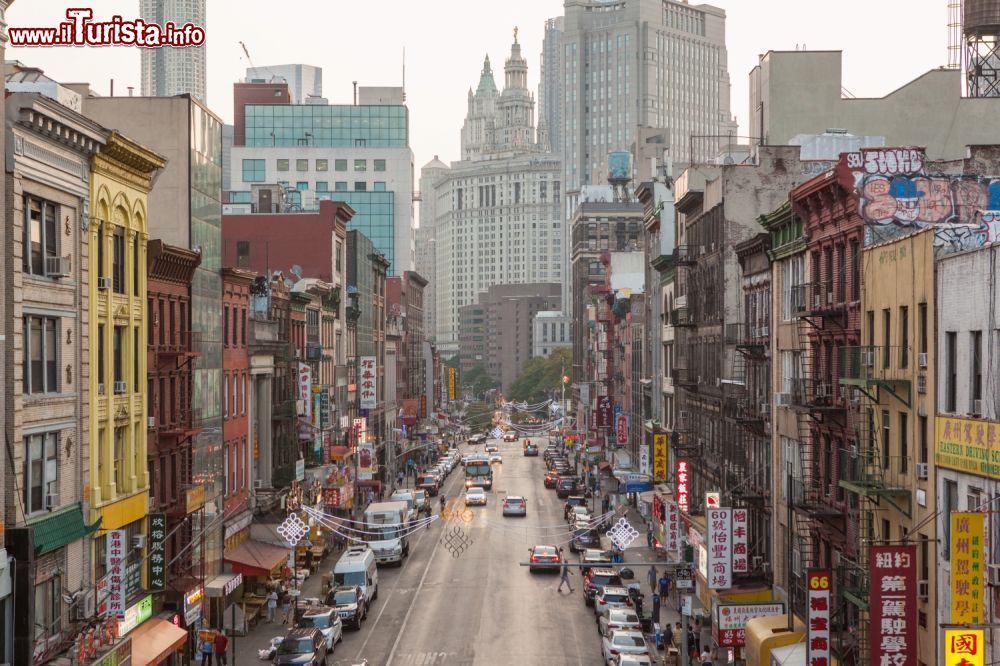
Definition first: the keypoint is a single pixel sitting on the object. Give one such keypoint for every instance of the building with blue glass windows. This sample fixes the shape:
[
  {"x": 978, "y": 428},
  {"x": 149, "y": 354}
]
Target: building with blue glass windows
[{"x": 296, "y": 155}]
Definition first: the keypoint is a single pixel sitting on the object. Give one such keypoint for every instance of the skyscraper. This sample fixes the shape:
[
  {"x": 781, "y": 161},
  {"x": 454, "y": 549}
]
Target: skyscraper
[
  {"x": 172, "y": 71},
  {"x": 550, "y": 97},
  {"x": 497, "y": 212}
]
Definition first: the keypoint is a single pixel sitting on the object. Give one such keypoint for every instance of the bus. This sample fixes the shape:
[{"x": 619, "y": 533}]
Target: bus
[{"x": 478, "y": 473}]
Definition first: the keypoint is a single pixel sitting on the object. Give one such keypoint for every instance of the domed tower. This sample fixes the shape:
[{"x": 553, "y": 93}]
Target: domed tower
[
  {"x": 478, "y": 132},
  {"x": 516, "y": 106}
]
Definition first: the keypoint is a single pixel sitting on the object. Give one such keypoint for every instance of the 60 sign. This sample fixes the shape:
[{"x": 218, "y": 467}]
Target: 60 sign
[{"x": 819, "y": 581}]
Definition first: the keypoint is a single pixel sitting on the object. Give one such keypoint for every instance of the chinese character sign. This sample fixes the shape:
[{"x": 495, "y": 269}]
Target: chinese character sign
[
  {"x": 741, "y": 541},
  {"x": 451, "y": 383},
  {"x": 729, "y": 628},
  {"x": 644, "y": 459},
  {"x": 366, "y": 461},
  {"x": 818, "y": 588},
  {"x": 720, "y": 549},
  {"x": 892, "y": 575},
  {"x": 672, "y": 529},
  {"x": 115, "y": 561},
  {"x": 660, "y": 456},
  {"x": 964, "y": 647},
  {"x": 157, "y": 560},
  {"x": 966, "y": 567},
  {"x": 603, "y": 413},
  {"x": 682, "y": 485},
  {"x": 358, "y": 431},
  {"x": 369, "y": 383},
  {"x": 305, "y": 390},
  {"x": 621, "y": 428}
]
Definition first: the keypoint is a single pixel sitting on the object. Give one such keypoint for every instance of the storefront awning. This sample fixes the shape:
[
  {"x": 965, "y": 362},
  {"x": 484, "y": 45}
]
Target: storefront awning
[
  {"x": 604, "y": 466},
  {"x": 256, "y": 558},
  {"x": 155, "y": 640},
  {"x": 339, "y": 452},
  {"x": 369, "y": 483},
  {"x": 647, "y": 496},
  {"x": 56, "y": 529},
  {"x": 223, "y": 584}
]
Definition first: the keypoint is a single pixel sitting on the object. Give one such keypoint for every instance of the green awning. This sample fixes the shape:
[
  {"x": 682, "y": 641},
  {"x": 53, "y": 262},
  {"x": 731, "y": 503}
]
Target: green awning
[{"x": 56, "y": 529}]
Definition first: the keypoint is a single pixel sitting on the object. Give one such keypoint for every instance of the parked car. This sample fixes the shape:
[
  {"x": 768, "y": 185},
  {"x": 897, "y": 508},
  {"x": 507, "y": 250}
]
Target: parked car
[
  {"x": 592, "y": 558},
  {"x": 576, "y": 512},
  {"x": 608, "y": 597},
  {"x": 544, "y": 558},
  {"x": 327, "y": 620},
  {"x": 632, "y": 660},
  {"x": 619, "y": 619},
  {"x": 584, "y": 538},
  {"x": 623, "y": 642},
  {"x": 514, "y": 505},
  {"x": 550, "y": 479},
  {"x": 350, "y": 604},
  {"x": 597, "y": 579},
  {"x": 566, "y": 486},
  {"x": 475, "y": 495},
  {"x": 301, "y": 647},
  {"x": 428, "y": 483}
]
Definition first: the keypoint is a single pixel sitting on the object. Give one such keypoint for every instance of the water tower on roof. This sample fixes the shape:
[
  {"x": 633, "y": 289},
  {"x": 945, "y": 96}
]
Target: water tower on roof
[
  {"x": 620, "y": 174},
  {"x": 981, "y": 34}
]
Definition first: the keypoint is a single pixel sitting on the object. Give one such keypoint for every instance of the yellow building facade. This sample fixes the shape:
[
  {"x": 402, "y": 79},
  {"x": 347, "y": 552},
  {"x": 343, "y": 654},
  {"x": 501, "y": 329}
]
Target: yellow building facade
[{"x": 121, "y": 177}]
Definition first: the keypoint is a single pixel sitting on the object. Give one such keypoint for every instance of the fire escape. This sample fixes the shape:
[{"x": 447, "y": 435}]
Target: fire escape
[
  {"x": 868, "y": 379},
  {"x": 684, "y": 374},
  {"x": 818, "y": 407}
]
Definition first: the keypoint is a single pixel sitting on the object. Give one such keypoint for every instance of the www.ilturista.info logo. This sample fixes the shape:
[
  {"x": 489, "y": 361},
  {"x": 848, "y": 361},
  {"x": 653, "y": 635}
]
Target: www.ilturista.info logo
[{"x": 81, "y": 30}]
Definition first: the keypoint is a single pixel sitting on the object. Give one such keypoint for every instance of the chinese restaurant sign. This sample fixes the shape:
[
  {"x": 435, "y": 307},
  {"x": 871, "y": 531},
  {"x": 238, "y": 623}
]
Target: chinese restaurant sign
[
  {"x": 682, "y": 485},
  {"x": 892, "y": 575}
]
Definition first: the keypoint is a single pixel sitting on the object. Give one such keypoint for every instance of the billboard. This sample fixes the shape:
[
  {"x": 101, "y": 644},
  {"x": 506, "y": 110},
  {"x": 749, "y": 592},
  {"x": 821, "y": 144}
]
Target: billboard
[
  {"x": 369, "y": 383},
  {"x": 966, "y": 567},
  {"x": 818, "y": 585},
  {"x": 660, "y": 456},
  {"x": 720, "y": 548},
  {"x": 892, "y": 604}
]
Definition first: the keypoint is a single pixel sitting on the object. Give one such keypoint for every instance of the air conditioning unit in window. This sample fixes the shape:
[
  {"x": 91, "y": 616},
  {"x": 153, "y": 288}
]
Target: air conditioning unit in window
[
  {"x": 138, "y": 541},
  {"x": 922, "y": 471},
  {"x": 822, "y": 390},
  {"x": 977, "y": 407},
  {"x": 782, "y": 399},
  {"x": 867, "y": 359},
  {"x": 922, "y": 359},
  {"x": 57, "y": 267},
  {"x": 100, "y": 389},
  {"x": 51, "y": 502},
  {"x": 923, "y": 589},
  {"x": 993, "y": 575},
  {"x": 120, "y": 387},
  {"x": 104, "y": 283},
  {"x": 150, "y": 422},
  {"x": 921, "y": 383}
]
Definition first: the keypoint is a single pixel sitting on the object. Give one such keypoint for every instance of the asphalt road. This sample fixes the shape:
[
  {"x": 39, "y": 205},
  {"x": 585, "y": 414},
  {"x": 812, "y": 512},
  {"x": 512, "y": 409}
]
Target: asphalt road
[{"x": 480, "y": 608}]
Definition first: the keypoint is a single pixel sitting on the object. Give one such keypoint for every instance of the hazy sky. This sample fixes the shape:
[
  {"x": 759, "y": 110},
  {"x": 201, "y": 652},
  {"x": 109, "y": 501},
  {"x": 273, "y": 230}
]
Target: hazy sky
[{"x": 886, "y": 43}]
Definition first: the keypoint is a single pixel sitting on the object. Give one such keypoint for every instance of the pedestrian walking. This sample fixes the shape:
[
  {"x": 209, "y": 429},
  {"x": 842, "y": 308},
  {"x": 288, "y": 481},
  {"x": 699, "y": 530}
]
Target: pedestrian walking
[
  {"x": 286, "y": 607},
  {"x": 652, "y": 579},
  {"x": 694, "y": 640},
  {"x": 221, "y": 644},
  {"x": 649, "y": 535},
  {"x": 272, "y": 603},
  {"x": 309, "y": 560},
  {"x": 656, "y": 609},
  {"x": 706, "y": 658},
  {"x": 207, "y": 647},
  {"x": 668, "y": 633},
  {"x": 564, "y": 577},
  {"x": 664, "y": 588}
]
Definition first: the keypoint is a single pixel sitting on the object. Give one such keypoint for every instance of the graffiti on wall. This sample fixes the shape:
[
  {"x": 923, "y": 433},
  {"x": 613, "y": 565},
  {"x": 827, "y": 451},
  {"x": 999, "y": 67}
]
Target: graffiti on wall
[{"x": 964, "y": 211}]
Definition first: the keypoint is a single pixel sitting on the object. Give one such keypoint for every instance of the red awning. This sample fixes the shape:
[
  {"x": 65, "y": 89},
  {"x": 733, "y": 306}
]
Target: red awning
[
  {"x": 369, "y": 483},
  {"x": 155, "y": 640},
  {"x": 604, "y": 465},
  {"x": 256, "y": 558}
]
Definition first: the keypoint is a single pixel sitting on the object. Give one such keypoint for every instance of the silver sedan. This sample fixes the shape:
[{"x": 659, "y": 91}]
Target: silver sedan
[{"x": 514, "y": 505}]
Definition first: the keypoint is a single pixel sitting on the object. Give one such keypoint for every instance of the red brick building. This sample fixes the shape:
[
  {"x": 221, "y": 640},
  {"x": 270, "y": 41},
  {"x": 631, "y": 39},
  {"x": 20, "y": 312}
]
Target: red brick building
[
  {"x": 169, "y": 388},
  {"x": 827, "y": 309},
  {"x": 236, "y": 396},
  {"x": 264, "y": 243},
  {"x": 255, "y": 93}
]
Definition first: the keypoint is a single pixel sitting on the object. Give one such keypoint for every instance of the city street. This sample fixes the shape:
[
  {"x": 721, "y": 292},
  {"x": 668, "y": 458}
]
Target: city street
[{"x": 480, "y": 607}]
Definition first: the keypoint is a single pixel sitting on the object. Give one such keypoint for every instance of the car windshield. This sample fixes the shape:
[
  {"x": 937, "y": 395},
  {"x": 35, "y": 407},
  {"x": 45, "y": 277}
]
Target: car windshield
[
  {"x": 630, "y": 640},
  {"x": 474, "y": 492},
  {"x": 345, "y": 597},
  {"x": 316, "y": 621},
  {"x": 515, "y": 500},
  {"x": 295, "y": 646},
  {"x": 426, "y": 479},
  {"x": 477, "y": 469},
  {"x": 566, "y": 483},
  {"x": 349, "y": 578}
]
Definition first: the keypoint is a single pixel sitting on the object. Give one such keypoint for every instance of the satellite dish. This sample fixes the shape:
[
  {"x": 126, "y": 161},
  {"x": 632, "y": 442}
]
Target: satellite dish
[{"x": 296, "y": 270}]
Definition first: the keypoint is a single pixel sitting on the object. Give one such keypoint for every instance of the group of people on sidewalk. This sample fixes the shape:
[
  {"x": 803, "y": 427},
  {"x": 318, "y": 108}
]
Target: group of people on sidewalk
[{"x": 216, "y": 647}]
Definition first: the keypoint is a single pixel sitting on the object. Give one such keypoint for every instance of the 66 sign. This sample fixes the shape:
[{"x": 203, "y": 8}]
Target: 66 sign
[{"x": 818, "y": 586}]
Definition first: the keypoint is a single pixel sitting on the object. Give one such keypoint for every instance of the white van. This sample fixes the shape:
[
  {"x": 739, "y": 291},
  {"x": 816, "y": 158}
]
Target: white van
[
  {"x": 411, "y": 502},
  {"x": 357, "y": 567}
]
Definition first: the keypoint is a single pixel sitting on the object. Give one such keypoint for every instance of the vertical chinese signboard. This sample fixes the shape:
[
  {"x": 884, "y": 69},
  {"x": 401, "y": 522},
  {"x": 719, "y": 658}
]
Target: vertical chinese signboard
[
  {"x": 964, "y": 647},
  {"x": 966, "y": 567},
  {"x": 720, "y": 549},
  {"x": 892, "y": 604},
  {"x": 621, "y": 429},
  {"x": 672, "y": 528},
  {"x": 305, "y": 389},
  {"x": 115, "y": 562},
  {"x": 369, "y": 383},
  {"x": 366, "y": 460},
  {"x": 682, "y": 485},
  {"x": 818, "y": 647},
  {"x": 157, "y": 561},
  {"x": 660, "y": 456},
  {"x": 741, "y": 541},
  {"x": 603, "y": 413}
]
